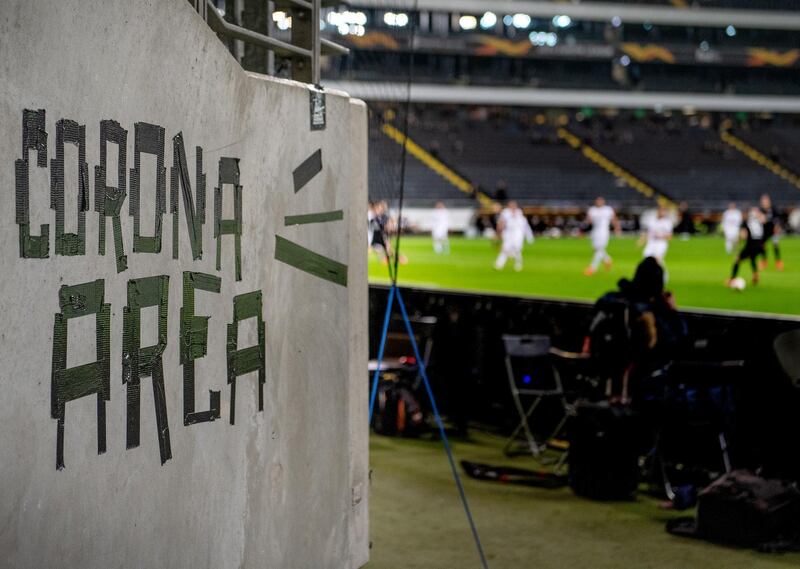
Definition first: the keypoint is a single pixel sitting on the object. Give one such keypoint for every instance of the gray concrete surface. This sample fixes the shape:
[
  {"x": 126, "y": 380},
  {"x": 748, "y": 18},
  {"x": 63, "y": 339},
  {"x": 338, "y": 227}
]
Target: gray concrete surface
[{"x": 282, "y": 488}]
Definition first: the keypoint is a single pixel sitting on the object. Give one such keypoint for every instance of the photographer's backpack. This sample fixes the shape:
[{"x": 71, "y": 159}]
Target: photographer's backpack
[
  {"x": 397, "y": 410},
  {"x": 609, "y": 336},
  {"x": 746, "y": 510},
  {"x": 604, "y": 450}
]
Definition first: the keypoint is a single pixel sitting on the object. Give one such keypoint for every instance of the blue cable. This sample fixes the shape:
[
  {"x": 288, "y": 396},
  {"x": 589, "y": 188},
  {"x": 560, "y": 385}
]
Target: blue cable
[
  {"x": 381, "y": 347},
  {"x": 439, "y": 423}
]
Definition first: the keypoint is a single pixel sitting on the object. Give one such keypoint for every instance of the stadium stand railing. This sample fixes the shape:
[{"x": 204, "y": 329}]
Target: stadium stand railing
[
  {"x": 692, "y": 163},
  {"x": 613, "y": 168},
  {"x": 761, "y": 159}
]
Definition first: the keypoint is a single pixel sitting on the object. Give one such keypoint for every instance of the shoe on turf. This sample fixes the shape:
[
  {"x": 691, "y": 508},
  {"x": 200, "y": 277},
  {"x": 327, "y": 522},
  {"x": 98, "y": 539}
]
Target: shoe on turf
[
  {"x": 755, "y": 279},
  {"x": 607, "y": 264},
  {"x": 779, "y": 265},
  {"x": 588, "y": 271},
  {"x": 518, "y": 268},
  {"x": 762, "y": 264}
]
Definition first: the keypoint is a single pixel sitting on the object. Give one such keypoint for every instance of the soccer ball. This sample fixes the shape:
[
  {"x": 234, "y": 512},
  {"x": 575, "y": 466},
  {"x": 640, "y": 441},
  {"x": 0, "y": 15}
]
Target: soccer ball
[{"x": 738, "y": 284}]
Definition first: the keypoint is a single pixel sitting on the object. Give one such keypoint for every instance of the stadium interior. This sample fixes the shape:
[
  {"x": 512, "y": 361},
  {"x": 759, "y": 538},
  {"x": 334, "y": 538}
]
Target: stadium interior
[{"x": 683, "y": 105}]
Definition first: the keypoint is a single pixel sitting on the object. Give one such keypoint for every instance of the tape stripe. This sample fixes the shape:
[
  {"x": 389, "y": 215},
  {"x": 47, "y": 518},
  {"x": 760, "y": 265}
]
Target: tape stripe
[
  {"x": 247, "y": 360},
  {"x": 306, "y": 171},
  {"x": 321, "y": 217},
  {"x": 310, "y": 262},
  {"x": 194, "y": 346}
]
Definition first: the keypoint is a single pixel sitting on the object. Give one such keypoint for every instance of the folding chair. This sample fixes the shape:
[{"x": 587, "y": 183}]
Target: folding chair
[
  {"x": 703, "y": 418},
  {"x": 533, "y": 352}
]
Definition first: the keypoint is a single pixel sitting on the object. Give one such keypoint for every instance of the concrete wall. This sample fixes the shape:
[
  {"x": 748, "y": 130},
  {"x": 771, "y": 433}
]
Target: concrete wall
[{"x": 283, "y": 487}]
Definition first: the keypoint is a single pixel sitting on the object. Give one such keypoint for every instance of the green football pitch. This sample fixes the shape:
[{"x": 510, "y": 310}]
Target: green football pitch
[{"x": 553, "y": 268}]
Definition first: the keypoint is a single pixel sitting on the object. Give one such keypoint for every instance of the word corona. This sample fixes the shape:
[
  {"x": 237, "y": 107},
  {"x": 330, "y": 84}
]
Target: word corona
[
  {"x": 88, "y": 298},
  {"x": 108, "y": 200}
]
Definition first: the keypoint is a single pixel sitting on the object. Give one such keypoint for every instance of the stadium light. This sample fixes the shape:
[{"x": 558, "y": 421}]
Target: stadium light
[
  {"x": 488, "y": 20},
  {"x": 549, "y": 39},
  {"x": 281, "y": 20},
  {"x": 468, "y": 22},
  {"x": 731, "y": 31},
  {"x": 625, "y": 61},
  {"x": 616, "y": 21},
  {"x": 398, "y": 20},
  {"x": 348, "y": 18},
  {"x": 508, "y": 19},
  {"x": 562, "y": 21},
  {"x": 347, "y": 23},
  {"x": 521, "y": 21}
]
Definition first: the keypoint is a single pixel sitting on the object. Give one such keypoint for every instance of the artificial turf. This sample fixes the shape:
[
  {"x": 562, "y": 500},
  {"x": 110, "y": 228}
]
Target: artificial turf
[
  {"x": 697, "y": 269},
  {"x": 416, "y": 520}
]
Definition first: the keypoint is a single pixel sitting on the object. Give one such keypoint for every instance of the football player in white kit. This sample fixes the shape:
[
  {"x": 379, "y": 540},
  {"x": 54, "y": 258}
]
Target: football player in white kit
[
  {"x": 514, "y": 230},
  {"x": 602, "y": 217},
  {"x": 731, "y": 227},
  {"x": 440, "y": 229},
  {"x": 658, "y": 235}
]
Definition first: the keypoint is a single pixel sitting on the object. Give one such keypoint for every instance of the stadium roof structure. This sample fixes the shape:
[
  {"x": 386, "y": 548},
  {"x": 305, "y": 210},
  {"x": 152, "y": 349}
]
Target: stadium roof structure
[
  {"x": 535, "y": 97},
  {"x": 600, "y": 11}
]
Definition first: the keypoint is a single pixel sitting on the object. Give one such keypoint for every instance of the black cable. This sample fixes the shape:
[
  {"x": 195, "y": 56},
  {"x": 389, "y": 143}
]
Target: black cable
[{"x": 404, "y": 156}]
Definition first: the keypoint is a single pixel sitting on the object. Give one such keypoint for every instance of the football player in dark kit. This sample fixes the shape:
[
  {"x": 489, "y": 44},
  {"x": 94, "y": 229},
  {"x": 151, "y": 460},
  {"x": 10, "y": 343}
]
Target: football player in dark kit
[
  {"x": 772, "y": 230},
  {"x": 753, "y": 234}
]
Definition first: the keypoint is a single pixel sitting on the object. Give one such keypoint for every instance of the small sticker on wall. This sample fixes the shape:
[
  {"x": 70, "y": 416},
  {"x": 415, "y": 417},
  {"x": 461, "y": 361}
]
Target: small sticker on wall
[{"x": 317, "y": 104}]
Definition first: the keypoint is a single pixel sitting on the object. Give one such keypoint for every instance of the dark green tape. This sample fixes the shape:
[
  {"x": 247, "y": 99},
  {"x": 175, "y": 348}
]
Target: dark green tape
[
  {"x": 321, "y": 217},
  {"x": 69, "y": 384},
  {"x": 108, "y": 200},
  {"x": 139, "y": 362},
  {"x": 312, "y": 263},
  {"x": 68, "y": 131},
  {"x": 229, "y": 174},
  {"x": 195, "y": 211},
  {"x": 194, "y": 345},
  {"x": 246, "y": 360},
  {"x": 148, "y": 139},
  {"x": 34, "y": 137}
]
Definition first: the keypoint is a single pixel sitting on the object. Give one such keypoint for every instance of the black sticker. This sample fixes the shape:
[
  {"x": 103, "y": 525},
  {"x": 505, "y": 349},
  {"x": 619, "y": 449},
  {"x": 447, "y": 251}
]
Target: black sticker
[{"x": 317, "y": 107}]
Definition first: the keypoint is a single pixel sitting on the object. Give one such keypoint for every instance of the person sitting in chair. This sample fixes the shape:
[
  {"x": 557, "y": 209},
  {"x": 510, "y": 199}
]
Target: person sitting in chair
[{"x": 635, "y": 332}]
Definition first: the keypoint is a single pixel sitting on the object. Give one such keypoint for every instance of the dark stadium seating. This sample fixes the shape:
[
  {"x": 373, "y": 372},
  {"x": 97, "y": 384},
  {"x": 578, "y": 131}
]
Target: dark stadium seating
[
  {"x": 682, "y": 157},
  {"x": 688, "y": 163},
  {"x": 536, "y": 167},
  {"x": 780, "y": 143},
  {"x": 423, "y": 186}
]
